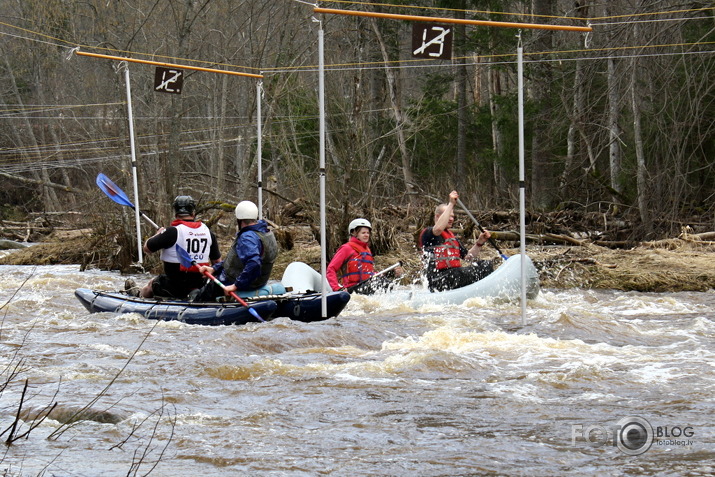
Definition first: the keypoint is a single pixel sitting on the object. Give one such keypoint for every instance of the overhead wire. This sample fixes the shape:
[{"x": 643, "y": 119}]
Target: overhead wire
[
  {"x": 410, "y": 63},
  {"x": 401, "y": 64},
  {"x": 38, "y": 165},
  {"x": 454, "y": 10},
  {"x": 28, "y": 156},
  {"x": 68, "y": 44},
  {"x": 398, "y": 64},
  {"x": 520, "y": 14}
]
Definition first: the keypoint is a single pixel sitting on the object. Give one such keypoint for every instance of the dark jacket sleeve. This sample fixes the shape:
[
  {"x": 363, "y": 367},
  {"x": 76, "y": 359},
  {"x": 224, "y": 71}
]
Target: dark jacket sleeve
[{"x": 166, "y": 239}]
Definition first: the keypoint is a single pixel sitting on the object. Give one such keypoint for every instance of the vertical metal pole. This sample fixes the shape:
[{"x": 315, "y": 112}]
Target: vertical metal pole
[
  {"x": 134, "y": 161},
  {"x": 259, "y": 148},
  {"x": 321, "y": 100},
  {"x": 522, "y": 182}
]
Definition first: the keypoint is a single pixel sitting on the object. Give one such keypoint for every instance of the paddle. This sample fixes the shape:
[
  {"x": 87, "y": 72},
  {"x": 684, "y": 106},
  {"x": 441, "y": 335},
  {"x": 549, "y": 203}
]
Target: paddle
[
  {"x": 187, "y": 262},
  {"x": 391, "y": 267},
  {"x": 117, "y": 195},
  {"x": 491, "y": 240}
]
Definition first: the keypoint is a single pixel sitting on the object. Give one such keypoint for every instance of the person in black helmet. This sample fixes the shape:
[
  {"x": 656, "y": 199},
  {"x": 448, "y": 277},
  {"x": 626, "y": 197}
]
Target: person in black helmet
[{"x": 194, "y": 237}]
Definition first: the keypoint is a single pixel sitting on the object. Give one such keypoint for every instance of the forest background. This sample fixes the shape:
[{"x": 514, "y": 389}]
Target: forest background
[{"x": 619, "y": 123}]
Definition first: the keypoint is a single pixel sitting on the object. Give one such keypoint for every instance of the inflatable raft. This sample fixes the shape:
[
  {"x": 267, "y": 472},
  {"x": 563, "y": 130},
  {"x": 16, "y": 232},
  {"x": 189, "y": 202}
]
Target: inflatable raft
[
  {"x": 297, "y": 296},
  {"x": 504, "y": 283}
]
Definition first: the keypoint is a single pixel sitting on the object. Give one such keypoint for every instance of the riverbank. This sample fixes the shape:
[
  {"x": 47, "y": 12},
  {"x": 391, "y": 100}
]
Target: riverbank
[{"x": 672, "y": 265}]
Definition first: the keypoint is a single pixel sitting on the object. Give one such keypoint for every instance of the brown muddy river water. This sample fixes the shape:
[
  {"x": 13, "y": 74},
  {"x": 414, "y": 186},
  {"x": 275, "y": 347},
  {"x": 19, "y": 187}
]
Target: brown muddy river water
[{"x": 595, "y": 383}]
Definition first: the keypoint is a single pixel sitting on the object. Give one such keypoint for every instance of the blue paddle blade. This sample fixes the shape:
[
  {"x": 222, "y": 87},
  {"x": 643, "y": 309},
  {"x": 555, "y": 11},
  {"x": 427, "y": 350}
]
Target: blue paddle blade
[
  {"x": 184, "y": 256},
  {"x": 255, "y": 314},
  {"x": 113, "y": 191}
]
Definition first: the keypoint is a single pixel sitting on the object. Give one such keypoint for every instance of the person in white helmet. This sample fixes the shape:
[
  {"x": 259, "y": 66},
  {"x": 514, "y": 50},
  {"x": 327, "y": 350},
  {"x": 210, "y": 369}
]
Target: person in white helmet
[
  {"x": 177, "y": 281},
  {"x": 443, "y": 253},
  {"x": 352, "y": 267},
  {"x": 249, "y": 261}
]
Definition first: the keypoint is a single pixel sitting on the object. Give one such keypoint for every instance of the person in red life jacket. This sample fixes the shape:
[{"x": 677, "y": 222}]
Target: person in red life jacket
[
  {"x": 194, "y": 237},
  {"x": 443, "y": 253},
  {"x": 352, "y": 267},
  {"x": 249, "y": 261}
]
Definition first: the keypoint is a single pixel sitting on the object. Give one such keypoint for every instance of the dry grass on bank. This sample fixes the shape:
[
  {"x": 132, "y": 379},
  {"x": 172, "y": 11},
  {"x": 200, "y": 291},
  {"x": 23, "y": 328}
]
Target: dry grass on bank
[{"x": 682, "y": 266}]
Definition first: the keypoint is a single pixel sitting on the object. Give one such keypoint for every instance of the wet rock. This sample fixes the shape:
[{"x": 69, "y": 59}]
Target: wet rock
[{"x": 70, "y": 414}]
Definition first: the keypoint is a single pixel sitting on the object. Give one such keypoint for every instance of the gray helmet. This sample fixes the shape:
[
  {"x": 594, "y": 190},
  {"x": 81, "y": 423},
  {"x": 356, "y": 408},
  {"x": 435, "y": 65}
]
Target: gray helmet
[{"x": 184, "y": 205}]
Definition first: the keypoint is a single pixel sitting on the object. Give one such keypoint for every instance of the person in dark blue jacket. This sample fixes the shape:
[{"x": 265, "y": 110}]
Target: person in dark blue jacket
[{"x": 249, "y": 261}]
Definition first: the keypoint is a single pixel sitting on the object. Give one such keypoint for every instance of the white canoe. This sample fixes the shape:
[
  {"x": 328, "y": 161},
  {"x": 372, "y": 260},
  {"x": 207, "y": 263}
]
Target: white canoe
[{"x": 504, "y": 283}]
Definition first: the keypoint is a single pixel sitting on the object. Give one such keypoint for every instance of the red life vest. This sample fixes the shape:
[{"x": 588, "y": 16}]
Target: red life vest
[
  {"x": 447, "y": 254},
  {"x": 359, "y": 267}
]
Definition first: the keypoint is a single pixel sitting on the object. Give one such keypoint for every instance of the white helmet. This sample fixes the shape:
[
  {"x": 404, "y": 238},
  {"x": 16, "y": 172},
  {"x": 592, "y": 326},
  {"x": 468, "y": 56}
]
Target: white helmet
[
  {"x": 246, "y": 210},
  {"x": 359, "y": 223}
]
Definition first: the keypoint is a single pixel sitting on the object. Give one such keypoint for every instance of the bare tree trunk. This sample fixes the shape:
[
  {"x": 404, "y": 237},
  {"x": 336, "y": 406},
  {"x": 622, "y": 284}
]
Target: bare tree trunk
[
  {"x": 61, "y": 158},
  {"x": 642, "y": 172},
  {"x": 59, "y": 154},
  {"x": 221, "y": 142},
  {"x": 186, "y": 13},
  {"x": 462, "y": 117},
  {"x": 614, "y": 129},
  {"x": 410, "y": 186},
  {"x": 497, "y": 134},
  {"x": 49, "y": 197},
  {"x": 542, "y": 191},
  {"x": 242, "y": 164},
  {"x": 573, "y": 137},
  {"x": 494, "y": 87}
]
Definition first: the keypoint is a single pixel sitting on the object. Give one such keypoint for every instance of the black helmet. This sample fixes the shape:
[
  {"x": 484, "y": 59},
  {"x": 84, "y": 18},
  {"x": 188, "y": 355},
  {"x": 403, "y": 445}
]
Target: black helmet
[{"x": 184, "y": 205}]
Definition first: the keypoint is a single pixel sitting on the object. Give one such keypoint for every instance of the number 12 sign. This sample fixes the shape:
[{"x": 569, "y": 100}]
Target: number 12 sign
[
  {"x": 168, "y": 80},
  {"x": 431, "y": 40}
]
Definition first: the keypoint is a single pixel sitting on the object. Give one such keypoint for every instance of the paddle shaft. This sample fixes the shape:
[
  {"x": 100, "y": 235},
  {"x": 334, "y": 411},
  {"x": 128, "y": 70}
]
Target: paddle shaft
[
  {"x": 185, "y": 257},
  {"x": 481, "y": 229},
  {"x": 391, "y": 267},
  {"x": 148, "y": 219},
  {"x": 234, "y": 295}
]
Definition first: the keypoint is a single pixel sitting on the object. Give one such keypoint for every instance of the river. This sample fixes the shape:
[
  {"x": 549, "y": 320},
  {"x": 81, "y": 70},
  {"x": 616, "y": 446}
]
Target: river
[{"x": 595, "y": 383}]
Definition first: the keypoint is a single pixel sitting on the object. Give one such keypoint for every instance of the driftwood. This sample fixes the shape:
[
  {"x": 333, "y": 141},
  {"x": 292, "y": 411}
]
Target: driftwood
[
  {"x": 22, "y": 230},
  {"x": 54, "y": 185},
  {"x": 706, "y": 236},
  {"x": 44, "y": 223},
  {"x": 561, "y": 239},
  {"x": 10, "y": 245},
  {"x": 557, "y": 239},
  {"x": 28, "y": 226},
  {"x": 292, "y": 209}
]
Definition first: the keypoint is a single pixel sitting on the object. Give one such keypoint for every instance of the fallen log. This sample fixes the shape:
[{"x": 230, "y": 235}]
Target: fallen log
[
  {"x": 557, "y": 239},
  {"x": 10, "y": 245},
  {"x": 54, "y": 185},
  {"x": 705, "y": 236},
  {"x": 564, "y": 239}
]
